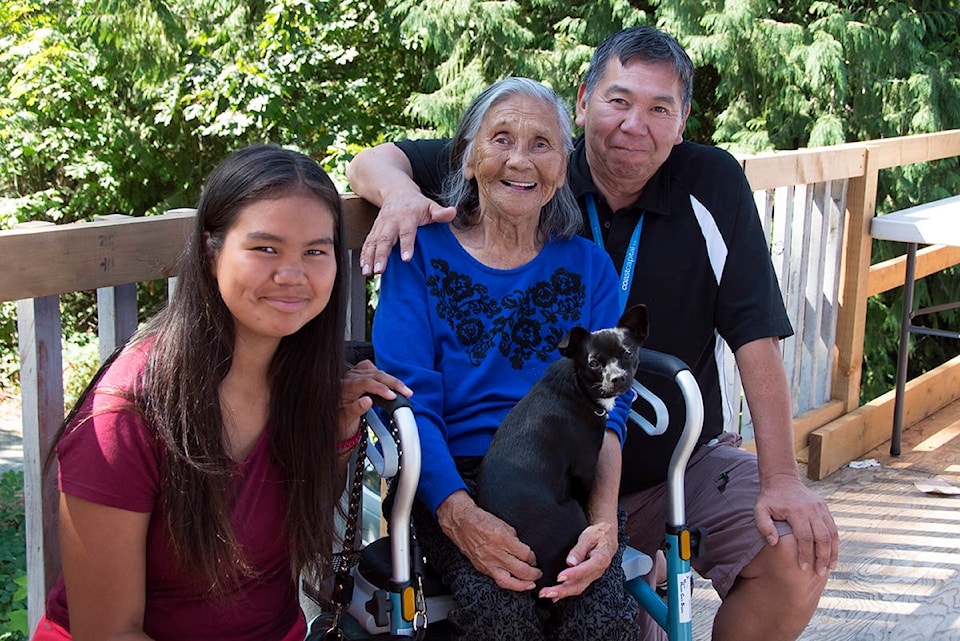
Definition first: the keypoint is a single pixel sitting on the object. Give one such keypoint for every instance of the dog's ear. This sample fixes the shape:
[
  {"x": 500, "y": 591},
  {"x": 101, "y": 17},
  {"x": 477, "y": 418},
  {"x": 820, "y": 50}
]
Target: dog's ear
[
  {"x": 634, "y": 320},
  {"x": 570, "y": 343}
]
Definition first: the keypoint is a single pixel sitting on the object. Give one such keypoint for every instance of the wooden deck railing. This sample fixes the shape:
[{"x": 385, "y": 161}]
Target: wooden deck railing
[{"x": 816, "y": 205}]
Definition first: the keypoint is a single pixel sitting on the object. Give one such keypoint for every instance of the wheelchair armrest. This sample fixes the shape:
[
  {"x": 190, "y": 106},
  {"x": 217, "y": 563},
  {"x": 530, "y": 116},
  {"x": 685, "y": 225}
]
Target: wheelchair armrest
[
  {"x": 635, "y": 563},
  {"x": 674, "y": 369},
  {"x": 397, "y": 457},
  {"x": 660, "y": 364},
  {"x": 665, "y": 366}
]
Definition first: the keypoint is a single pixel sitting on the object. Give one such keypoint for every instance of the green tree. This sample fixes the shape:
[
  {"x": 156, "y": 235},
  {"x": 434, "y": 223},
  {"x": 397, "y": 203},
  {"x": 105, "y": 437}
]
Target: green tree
[
  {"x": 125, "y": 105},
  {"x": 119, "y": 106},
  {"x": 818, "y": 73},
  {"x": 481, "y": 42}
]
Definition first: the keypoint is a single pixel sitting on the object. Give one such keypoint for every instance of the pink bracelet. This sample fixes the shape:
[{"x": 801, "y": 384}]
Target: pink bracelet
[{"x": 351, "y": 442}]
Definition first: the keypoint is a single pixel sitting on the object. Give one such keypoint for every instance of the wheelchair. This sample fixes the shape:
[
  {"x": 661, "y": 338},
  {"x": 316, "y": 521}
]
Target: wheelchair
[{"x": 393, "y": 594}]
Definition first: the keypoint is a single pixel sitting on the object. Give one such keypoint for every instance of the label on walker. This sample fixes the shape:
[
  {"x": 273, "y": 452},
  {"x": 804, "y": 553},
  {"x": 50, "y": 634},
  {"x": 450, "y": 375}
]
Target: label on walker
[{"x": 685, "y": 597}]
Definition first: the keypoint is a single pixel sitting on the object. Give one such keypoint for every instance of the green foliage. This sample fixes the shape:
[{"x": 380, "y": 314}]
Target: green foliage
[
  {"x": 481, "y": 42},
  {"x": 9, "y": 354},
  {"x": 816, "y": 73},
  {"x": 13, "y": 558},
  {"x": 126, "y": 105},
  {"x": 81, "y": 359},
  {"x": 55, "y": 128}
]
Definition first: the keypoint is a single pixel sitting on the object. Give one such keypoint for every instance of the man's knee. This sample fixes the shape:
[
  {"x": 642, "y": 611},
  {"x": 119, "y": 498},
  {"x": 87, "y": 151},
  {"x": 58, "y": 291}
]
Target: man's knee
[
  {"x": 772, "y": 598},
  {"x": 778, "y": 578}
]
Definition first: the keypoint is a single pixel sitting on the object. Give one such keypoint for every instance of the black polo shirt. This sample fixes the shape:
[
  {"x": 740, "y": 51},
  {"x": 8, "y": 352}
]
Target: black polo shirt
[{"x": 703, "y": 270}]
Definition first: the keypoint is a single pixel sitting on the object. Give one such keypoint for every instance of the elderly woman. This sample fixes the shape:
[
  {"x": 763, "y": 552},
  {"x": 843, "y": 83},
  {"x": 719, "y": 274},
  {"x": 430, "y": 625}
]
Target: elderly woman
[{"x": 469, "y": 324}]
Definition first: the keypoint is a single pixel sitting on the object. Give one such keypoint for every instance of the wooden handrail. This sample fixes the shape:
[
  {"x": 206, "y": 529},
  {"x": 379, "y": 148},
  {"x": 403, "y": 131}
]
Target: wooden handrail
[
  {"x": 48, "y": 260},
  {"x": 890, "y": 273}
]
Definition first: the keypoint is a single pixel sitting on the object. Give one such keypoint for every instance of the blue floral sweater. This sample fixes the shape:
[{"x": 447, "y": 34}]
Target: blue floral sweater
[{"x": 471, "y": 340}]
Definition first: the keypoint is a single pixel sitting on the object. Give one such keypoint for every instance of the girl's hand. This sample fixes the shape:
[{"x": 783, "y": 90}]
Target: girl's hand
[{"x": 364, "y": 378}]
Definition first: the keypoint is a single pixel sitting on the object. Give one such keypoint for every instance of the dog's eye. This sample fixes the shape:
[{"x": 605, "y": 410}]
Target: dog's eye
[
  {"x": 593, "y": 363},
  {"x": 627, "y": 352}
]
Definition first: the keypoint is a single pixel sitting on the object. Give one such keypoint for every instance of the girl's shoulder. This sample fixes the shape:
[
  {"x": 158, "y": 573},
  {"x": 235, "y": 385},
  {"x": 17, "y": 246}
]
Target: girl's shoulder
[{"x": 124, "y": 372}]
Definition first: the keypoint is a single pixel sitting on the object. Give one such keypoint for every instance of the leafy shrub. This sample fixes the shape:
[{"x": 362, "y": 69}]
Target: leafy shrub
[{"x": 13, "y": 558}]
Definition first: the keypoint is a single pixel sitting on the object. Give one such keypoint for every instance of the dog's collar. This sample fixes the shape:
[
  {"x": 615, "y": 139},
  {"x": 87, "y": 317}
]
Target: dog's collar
[{"x": 598, "y": 409}]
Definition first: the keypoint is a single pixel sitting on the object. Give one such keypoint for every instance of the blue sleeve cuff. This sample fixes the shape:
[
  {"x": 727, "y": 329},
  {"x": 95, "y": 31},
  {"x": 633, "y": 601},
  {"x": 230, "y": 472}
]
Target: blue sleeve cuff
[
  {"x": 433, "y": 496},
  {"x": 617, "y": 417}
]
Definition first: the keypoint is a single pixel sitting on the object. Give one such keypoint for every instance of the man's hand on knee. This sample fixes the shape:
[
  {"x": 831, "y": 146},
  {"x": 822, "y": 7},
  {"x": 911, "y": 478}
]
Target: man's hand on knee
[{"x": 787, "y": 499}]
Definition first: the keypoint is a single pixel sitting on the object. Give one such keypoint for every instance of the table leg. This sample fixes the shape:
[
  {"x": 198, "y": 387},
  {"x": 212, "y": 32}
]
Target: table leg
[{"x": 905, "y": 323}]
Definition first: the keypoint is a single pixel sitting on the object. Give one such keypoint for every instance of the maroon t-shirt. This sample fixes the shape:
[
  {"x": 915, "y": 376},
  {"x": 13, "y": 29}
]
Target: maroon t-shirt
[{"x": 114, "y": 459}]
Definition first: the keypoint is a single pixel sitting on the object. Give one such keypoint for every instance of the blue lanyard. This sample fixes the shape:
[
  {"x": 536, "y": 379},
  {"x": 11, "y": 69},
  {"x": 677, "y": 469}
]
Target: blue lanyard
[{"x": 629, "y": 261}]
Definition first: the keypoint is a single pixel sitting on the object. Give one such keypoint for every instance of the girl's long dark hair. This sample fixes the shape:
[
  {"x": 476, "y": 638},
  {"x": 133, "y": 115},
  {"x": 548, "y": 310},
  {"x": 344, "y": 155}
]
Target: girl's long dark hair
[{"x": 193, "y": 341}]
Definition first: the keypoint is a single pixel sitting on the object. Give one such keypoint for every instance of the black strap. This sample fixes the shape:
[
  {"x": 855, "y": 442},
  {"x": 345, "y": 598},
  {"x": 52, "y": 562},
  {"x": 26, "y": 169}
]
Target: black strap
[{"x": 348, "y": 558}]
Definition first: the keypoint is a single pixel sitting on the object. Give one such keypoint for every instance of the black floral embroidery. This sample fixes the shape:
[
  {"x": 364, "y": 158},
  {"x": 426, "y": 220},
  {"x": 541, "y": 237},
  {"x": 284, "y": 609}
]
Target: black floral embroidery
[
  {"x": 515, "y": 325},
  {"x": 465, "y": 306}
]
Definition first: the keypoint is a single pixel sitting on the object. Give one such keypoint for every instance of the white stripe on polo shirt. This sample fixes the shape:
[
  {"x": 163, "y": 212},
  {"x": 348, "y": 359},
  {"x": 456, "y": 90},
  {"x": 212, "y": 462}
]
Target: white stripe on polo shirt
[
  {"x": 716, "y": 248},
  {"x": 717, "y": 254}
]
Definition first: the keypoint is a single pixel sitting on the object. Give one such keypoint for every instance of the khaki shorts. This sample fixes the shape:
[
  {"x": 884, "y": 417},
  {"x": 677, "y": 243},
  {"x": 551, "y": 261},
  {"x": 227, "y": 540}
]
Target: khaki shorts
[{"x": 722, "y": 484}]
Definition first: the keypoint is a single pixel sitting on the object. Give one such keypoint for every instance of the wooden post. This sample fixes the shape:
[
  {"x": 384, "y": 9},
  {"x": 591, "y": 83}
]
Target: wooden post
[
  {"x": 358, "y": 217},
  {"x": 116, "y": 316},
  {"x": 854, "y": 279},
  {"x": 41, "y": 388},
  {"x": 116, "y": 306},
  {"x": 357, "y": 299}
]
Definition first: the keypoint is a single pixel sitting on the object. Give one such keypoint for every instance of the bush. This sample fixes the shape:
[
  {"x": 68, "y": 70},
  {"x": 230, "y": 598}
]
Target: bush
[{"x": 13, "y": 558}]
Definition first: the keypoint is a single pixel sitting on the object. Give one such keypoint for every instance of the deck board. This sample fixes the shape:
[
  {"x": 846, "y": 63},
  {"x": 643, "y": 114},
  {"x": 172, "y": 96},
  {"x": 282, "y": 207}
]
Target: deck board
[{"x": 899, "y": 572}]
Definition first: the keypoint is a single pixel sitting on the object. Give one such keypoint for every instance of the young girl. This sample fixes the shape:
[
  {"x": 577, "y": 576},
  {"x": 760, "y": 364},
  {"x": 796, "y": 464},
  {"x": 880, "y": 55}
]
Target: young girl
[{"x": 200, "y": 470}]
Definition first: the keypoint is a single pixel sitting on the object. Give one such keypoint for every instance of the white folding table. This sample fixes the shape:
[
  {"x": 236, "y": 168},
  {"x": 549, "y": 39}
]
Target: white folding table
[{"x": 934, "y": 223}]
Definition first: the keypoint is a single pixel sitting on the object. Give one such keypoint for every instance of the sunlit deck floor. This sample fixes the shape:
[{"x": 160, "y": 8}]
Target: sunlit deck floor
[{"x": 899, "y": 573}]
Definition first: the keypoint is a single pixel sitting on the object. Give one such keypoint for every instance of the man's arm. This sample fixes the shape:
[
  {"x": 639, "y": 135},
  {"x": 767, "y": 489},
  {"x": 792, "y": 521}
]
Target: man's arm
[
  {"x": 383, "y": 176},
  {"x": 783, "y": 496}
]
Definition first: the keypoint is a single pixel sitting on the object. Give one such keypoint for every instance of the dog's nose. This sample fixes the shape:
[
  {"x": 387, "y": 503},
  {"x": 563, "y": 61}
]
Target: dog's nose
[{"x": 617, "y": 379}]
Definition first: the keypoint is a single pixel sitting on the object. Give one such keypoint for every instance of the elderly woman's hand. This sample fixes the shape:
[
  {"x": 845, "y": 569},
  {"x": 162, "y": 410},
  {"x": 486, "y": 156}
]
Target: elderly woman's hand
[
  {"x": 588, "y": 560},
  {"x": 490, "y": 544},
  {"x": 364, "y": 378}
]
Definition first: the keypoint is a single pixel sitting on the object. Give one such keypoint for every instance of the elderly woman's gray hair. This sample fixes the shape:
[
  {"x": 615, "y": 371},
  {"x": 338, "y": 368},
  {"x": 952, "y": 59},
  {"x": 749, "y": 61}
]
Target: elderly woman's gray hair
[{"x": 560, "y": 218}]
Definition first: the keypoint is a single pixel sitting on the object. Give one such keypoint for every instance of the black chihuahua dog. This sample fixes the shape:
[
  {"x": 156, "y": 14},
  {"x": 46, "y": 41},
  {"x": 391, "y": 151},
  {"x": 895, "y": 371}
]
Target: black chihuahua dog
[{"x": 542, "y": 463}]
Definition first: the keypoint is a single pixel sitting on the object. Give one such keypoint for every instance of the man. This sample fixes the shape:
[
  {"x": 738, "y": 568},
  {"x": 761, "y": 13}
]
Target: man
[{"x": 679, "y": 221}]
